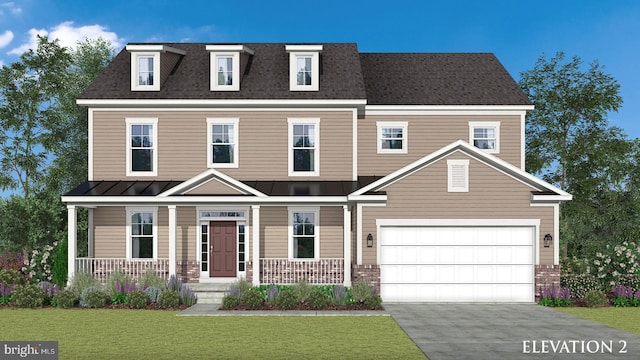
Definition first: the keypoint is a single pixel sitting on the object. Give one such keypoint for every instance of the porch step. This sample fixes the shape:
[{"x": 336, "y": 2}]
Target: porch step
[{"x": 209, "y": 293}]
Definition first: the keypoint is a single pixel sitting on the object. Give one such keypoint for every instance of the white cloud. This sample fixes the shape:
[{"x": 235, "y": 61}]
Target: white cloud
[
  {"x": 68, "y": 35},
  {"x": 11, "y": 6},
  {"x": 5, "y": 38}
]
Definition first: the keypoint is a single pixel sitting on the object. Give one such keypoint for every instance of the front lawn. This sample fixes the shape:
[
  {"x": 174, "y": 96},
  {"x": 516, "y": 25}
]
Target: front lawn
[
  {"x": 147, "y": 334},
  {"x": 626, "y": 319}
]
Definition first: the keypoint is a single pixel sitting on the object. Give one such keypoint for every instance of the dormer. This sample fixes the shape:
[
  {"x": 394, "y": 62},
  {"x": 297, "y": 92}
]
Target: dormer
[
  {"x": 151, "y": 65},
  {"x": 227, "y": 65},
  {"x": 304, "y": 67}
]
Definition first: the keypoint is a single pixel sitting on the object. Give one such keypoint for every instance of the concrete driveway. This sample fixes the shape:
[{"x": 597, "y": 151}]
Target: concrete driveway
[{"x": 509, "y": 331}]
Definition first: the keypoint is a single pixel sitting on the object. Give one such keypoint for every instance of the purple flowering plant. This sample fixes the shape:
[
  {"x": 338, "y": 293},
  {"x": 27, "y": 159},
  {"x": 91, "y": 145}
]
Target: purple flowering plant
[
  {"x": 555, "y": 296},
  {"x": 626, "y": 296},
  {"x": 123, "y": 289},
  {"x": 5, "y": 293}
]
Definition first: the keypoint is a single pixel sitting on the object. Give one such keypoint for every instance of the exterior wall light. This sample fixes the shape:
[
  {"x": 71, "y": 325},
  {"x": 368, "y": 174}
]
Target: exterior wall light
[
  {"x": 548, "y": 239},
  {"x": 369, "y": 240}
]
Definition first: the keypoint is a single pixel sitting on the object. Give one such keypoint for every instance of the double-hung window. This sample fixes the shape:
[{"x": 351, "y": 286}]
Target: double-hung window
[
  {"x": 485, "y": 136},
  {"x": 222, "y": 140},
  {"x": 392, "y": 137},
  {"x": 142, "y": 233},
  {"x": 303, "y": 233},
  {"x": 142, "y": 146},
  {"x": 304, "y": 147}
]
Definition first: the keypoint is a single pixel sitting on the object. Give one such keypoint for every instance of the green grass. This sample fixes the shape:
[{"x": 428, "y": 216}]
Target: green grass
[
  {"x": 626, "y": 319},
  {"x": 147, "y": 334}
]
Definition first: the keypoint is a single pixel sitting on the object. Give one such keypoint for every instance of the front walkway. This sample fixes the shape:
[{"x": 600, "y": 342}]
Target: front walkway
[
  {"x": 508, "y": 331},
  {"x": 214, "y": 310}
]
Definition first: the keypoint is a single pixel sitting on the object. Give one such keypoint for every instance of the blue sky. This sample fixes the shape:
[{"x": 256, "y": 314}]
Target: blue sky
[{"x": 518, "y": 32}]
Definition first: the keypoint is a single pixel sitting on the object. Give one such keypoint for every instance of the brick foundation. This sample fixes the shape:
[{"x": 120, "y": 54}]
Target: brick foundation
[
  {"x": 369, "y": 273},
  {"x": 248, "y": 267},
  {"x": 546, "y": 275},
  {"x": 188, "y": 271}
]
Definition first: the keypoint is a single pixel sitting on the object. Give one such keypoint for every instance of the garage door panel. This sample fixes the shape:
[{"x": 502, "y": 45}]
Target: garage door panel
[{"x": 456, "y": 264}]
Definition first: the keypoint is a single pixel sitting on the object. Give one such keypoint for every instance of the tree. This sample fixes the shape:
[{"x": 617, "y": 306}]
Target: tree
[
  {"x": 28, "y": 90},
  {"x": 571, "y": 144},
  {"x": 44, "y": 139}
]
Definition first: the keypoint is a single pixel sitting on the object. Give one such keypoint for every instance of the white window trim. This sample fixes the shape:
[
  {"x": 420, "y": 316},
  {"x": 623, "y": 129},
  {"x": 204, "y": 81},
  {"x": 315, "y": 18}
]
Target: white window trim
[
  {"x": 293, "y": 71},
  {"x": 404, "y": 125},
  {"x": 450, "y": 185},
  {"x": 142, "y": 121},
  {"x": 304, "y": 121},
  {"x": 235, "y": 74},
  {"x": 222, "y": 121},
  {"x": 486, "y": 124},
  {"x": 130, "y": 211},
  {"x": 316, "y": 232},
  {"x": 135, "y": 69}
]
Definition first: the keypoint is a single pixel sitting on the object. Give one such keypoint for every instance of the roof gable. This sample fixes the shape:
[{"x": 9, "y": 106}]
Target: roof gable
[
  {"x": 543, "y": 188},
  {"x": 212, "y": 180}
]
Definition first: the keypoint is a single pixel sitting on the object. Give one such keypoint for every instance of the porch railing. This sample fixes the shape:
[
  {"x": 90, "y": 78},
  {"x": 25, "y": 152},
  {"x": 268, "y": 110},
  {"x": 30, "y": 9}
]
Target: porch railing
[
  {"x": 286, "y": 271},
  {"x": 101, "y": 268}
]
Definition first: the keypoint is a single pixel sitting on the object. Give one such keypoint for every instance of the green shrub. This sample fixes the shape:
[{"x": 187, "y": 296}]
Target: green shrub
[
  {"x": 82, "y": 280},
  {"x": 59, "y": 267},
  {"x": 11, "y": 277},
  {"x": 271, "y": 293},
  {"x": 150, "y": 278},
  {"x": 252, "y": 298},
  {"x": 49, "y": 289},
  {"x": 85, "y": 292},
  {"x": 137, "y": 299},
  {"x": 169, "y": 299},
  {"x": 632, "y": 281},
  {"x": 96, "y": 299},
  {"x": 360, "y": 291},
  {"x": 28, "y": 296},
  {"x": 373, "y": 302},
  {"x": 595, "y": 298},
  {"x": 65, "y": 299},
  {"x": 615, "y": 262},
  {"x": 287, "y": 299},
  {"x": 243, "y": 285},
  {"x": 579, "y": 285},
  {"x": 574, "y": 266},
  {"x": 318, "y": 299},
  {"x": 302, "y": 290},
  {"x": 153, "y": 293},
  {"x": 230, "y": 301}
]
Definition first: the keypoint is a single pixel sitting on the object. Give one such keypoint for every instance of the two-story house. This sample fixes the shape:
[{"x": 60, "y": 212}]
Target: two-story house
[{"x": 277, "y": 162}]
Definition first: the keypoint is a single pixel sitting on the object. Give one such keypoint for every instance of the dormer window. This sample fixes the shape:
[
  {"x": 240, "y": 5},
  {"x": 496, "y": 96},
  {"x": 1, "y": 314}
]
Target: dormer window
[
  {"x": 146, "y": 73},
  {"x": 226, "y": 66},
  {"x": 304, "y": 67}
]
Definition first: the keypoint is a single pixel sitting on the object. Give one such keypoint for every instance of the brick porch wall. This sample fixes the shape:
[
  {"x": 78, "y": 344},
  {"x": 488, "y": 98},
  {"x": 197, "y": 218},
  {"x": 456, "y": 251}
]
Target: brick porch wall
[
  {"x": 188, "y": 271},
  {"x": 546, "y": 275},
  {"x": 284, "y": 271},
  {"x": 369, "y": 273}
]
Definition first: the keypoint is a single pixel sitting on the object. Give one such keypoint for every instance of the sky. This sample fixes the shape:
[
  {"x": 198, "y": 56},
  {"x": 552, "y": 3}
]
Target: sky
[{"x": 518, "y": 32}]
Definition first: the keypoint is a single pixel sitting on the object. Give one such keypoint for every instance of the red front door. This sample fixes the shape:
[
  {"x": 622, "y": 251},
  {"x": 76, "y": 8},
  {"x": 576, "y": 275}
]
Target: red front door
[{"x": 223, "y": 248}]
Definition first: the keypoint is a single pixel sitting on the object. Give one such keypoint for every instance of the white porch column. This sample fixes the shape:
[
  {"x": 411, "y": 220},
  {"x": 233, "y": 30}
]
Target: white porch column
[
  {"x": 90, "y": 234},
  {"x": 172, "y": 240},
  {"x": 359, "y": 234},
  {"x": 71, "y": 241},
  {"x": 255, "y": 246},
  {"x": 347, "y": 244}
]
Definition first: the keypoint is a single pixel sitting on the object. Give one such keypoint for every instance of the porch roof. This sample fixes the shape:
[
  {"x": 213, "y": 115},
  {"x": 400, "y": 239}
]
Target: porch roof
[{"x": 270, "y": 188}]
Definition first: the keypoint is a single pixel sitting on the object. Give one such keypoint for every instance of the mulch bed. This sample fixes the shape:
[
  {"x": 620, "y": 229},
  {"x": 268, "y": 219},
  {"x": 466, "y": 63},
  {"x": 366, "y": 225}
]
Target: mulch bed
[{"x": 305, "y": 306}]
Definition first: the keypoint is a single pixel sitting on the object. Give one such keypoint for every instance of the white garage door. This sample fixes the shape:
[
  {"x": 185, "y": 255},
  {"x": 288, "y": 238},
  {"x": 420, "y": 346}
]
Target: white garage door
[{"x": 465, "y": 264}]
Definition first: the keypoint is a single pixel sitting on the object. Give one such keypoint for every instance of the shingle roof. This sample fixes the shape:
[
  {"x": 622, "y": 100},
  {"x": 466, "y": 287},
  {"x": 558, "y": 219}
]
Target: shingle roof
[
  {"x": 266, "y": 78},
  {"x": 438, "y": 79},
  {"x": 380, "y": 78}
]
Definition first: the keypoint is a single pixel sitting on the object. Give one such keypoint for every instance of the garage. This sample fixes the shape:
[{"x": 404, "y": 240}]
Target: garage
[{"x": 457, "y": 264}]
